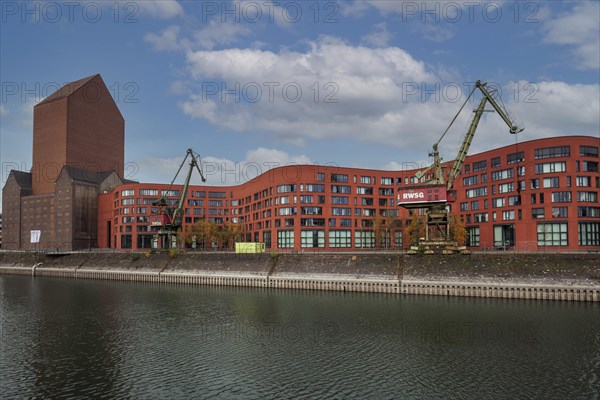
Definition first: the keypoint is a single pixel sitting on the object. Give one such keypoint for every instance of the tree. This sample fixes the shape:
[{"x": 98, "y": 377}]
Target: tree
[
  {"x": 205, "y": 232},
  {"x": 378, "y": 229},
  {"x": 416, "y": 229},
  {"x": 458, "y": 231}
]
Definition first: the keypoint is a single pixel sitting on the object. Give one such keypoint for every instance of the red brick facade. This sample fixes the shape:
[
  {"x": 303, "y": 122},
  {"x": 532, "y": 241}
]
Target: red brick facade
[
  {"x": 80, "y": 126},
  {"x": 78, "y": 151},
  {"x": 536, "y": 195}
]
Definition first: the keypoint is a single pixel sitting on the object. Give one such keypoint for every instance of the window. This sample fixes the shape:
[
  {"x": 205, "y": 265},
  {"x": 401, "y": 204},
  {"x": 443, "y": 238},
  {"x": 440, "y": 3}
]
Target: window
[
  {"x": 364, "y": 190},
  {"x": 561, "y": 197},
  {"x": 545, "y": 168},
  {"x": 364, "y": 239},
  {"x": 386, "y": 191},
  {"x": 478, "y": 192},
  {"x": 126, "y": 240},
  {"x": 285, "y": 239},
  {"x": 345, "y": 222},
  {"x": 552, "y": 234},
  {"x": 590, "y": 166},
  {"x": 508, "y": 215},
  {"x": 559, "y": 212},
  {"x": 311, "y": 187},
  {"x": 311, "y": 210},
  {"x": 340, "y": 239},
  {"x": 583, "y": 181},
  {"x": 587, "y": 197},
  {"x": 215, "y": 203},
  {"x": 551, "y": 152},
  {"x": 365, "y": 180},
  {"x": 369, "y": 212},
  {"x": 473, "y": 236},
  {"x": 170, "y": 193},
  {"x": 366, "y": 201},
  {"x": 589, "y": 233},
  {"x": 503, "y": 174},
  {"x": 339, "y": 200},
  {"x": 286, "y": 188},
  {"x": 320, "y": 176},
  {"x": 588, "y": 151},
  {"x": 537, "y": 213},
  {"x": 551, "y": 182},
  {"x": 217, "y": 195},
  {"x": 387, "y": 181},
  {"x": 483, "y": 217},
  {"x": 535, "y": 183},
  {"x": 506, "y": 187},
  {"x": 341, "y": 211},
  {"x": 515, "y": 157},
  {"x": 124, "y": 193},
  {"x": 340, "y": 189},
  {"x": 467, "y": 168},
  {"x": 514, "y": 200},
  {"x": 498, "y": 202},
  {"x": 475, "y": 205},
  {"x": 312, "y": 221},
  {"x": 521, "y": 170},
  {"x": 479, "y": 166},
  {"x": 127, "y": 202},
  {"x": 287, "y": 211},
  {"x": 306, "y": 199},
  {"x": 590, "y": 212},
  {"x": 464, "y": 206},
  {"x": 470, "y": 180},
  {"x": 495, "y": 162},
  {"x": 283, "y": 200},
  {"x": 199, "y": 194},
  {"x": 148, "y": 192}
]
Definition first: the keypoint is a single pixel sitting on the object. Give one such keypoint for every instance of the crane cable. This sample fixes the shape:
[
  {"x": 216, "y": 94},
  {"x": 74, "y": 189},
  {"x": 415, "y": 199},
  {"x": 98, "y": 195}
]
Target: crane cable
[{"x": 457, "y": 114}]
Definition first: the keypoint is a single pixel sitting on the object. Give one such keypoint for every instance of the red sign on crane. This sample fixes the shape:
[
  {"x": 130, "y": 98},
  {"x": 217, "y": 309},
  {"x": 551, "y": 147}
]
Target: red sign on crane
[{"x": 417, "y": 197}]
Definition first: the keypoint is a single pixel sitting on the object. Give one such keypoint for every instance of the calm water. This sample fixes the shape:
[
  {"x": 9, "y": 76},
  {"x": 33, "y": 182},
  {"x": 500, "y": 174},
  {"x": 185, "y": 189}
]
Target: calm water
[{"x": 75, "y": 339}]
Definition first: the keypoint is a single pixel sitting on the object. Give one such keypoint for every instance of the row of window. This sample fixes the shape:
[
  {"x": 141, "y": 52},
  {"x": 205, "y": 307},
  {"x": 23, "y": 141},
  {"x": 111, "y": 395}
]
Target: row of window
[
  {"x": 548, "y": 234},
  {"x": 337, "y": 239},
  {"x": 548, "y": 152}
]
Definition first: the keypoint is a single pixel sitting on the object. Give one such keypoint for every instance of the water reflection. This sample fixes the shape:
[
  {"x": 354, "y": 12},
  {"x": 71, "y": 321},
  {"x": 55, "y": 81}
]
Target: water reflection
[{"x": 66, "y": 338}]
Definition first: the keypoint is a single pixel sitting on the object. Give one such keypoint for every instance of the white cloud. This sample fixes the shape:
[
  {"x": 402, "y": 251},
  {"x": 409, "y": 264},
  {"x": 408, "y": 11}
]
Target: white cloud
[
  {"x": 163, "y": 9},
  {"x": 167, "y": 40},
  {"x": 435, "y": 32},
  {"x": 380, "y": 36},
  {"x": 368, "y": 85},
  {"x": 213, "y": 35},
  {"x": 219, "y": 171},
  {"x": 376, "y": 102},
  {"x": 545, "y": 109},
  {"x": 580, "y": 29},
  {"x": 219, "y": 33}
]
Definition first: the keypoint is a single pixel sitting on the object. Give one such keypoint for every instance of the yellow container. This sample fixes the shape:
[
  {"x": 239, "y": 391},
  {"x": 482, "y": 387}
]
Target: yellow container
[{"x": 249, "y": 248}]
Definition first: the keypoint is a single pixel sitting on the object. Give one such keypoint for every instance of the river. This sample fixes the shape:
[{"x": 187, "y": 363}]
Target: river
[{"x": 65, "y": 338}]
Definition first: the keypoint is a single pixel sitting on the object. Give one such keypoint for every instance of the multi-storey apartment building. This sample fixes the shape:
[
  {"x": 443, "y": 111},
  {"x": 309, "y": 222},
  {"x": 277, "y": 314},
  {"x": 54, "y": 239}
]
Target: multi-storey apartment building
[{"x": 539, "y": 194}]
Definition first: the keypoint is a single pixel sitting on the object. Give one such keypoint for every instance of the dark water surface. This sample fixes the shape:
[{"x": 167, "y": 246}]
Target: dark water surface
[{"x": 62, "y": 338}]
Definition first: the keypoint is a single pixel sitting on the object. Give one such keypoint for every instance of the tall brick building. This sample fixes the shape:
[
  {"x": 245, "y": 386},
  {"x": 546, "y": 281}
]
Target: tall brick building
[{"x": 78, "y": 152}]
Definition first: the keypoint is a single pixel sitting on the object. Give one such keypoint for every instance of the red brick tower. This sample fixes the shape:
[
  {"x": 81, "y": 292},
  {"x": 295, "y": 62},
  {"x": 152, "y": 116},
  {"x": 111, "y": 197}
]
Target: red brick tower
[{"x": 79, "y": 125}]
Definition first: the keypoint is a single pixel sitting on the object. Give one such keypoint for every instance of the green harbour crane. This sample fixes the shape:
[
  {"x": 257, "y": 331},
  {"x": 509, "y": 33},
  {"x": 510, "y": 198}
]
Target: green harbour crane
[
  {"x": 169, "y": 217},
  {"x": 437, "y": 191}
]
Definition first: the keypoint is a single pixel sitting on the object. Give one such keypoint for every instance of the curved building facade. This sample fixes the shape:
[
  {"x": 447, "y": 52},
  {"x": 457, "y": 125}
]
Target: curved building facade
[{"x": 535, "y": 195}]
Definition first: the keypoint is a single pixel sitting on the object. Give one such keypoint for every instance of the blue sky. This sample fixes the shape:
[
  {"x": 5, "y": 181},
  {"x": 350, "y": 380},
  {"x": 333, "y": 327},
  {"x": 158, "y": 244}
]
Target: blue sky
[{"x": 356, "y": 83}]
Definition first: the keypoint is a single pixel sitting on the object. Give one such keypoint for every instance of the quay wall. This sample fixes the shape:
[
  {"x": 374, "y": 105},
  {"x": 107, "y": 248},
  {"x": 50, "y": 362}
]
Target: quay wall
[{"x": 567, "y": 277}]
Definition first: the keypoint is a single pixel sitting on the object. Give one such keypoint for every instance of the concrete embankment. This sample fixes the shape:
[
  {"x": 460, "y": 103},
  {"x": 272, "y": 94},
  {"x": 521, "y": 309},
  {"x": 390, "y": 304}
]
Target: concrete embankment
[{"x": 573, "y": 277}]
